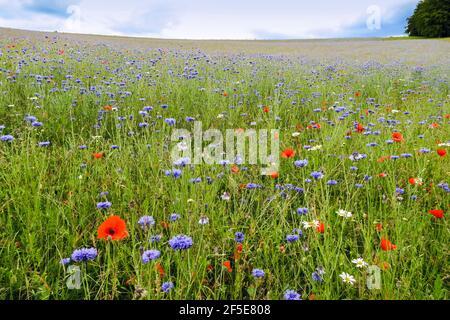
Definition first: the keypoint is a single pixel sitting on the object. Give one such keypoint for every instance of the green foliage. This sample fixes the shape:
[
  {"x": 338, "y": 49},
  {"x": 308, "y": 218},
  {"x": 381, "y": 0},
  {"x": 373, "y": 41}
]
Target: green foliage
[{"x": 430, "y": 19}]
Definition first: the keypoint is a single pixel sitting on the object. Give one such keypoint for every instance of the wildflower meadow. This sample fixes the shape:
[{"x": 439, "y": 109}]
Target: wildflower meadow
[{"x": 96, "y": 204}]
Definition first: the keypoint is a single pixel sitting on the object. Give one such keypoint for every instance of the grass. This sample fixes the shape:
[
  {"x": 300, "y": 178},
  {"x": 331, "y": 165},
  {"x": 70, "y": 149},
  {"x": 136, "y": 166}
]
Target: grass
[{"x": 49, "y": 194}]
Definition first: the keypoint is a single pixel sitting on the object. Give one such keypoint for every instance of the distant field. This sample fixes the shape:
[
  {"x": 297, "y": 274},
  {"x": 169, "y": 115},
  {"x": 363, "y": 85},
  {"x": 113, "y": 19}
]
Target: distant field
[{"x": 94, "y": 206}]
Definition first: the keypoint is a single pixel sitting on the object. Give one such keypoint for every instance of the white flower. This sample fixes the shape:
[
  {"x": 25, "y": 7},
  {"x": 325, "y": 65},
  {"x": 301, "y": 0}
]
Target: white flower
[
  {"x": 446, "y": 144},
  {"x": 343, "y": 213},
  {"x": 360, "y": 263},
  {"x": 311, "y": 224},
  {"x": 295, "y": 134},
  {"x": 314, "y": 148},
  {"x": 395, "y": 111},
  {"x": 347, "y": 278},
  {"x": 203, "y": 220},
  {"x": 225, "y": 196}
]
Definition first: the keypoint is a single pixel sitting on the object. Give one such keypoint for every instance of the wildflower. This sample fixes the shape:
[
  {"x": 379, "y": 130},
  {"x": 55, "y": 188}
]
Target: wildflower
[
  {"x": 113, "y": 228},
  {"x": 203, "y": 220},
  {"x": 84, "y": 254},
  {"x": 321, "y": 227},
  {"x": 441, "y": 152},
  {"x": 414, "y": 181},
  {"x": 258, "y": 273},
  {"x": 180, "y": 242},
  {"x": 225, "y": 196},
  {"x": 239, "y": 237},
  {"x": 386, "y": 245},
  {"x": 65, "y": 261},
  {"x": 317, "y": 175},
  {"x": 347, "y": 278},
  {"x": 292, "y": 238},
  {"x": 292, "y": 295},
  {"x": 332, "y": 182},
  {"x": 397, "y": 137},
  {"x": 288, "y": 153},
  {"x": 170, "y": 121},
  {"x": 150, "y": 255},
  {"x": 167, "y": 286},
  {"x": 301, "y": 163},
  {"x": 174, "y": 217},
  {"x": 316, "y": 276},
  {"x": 7, "y": 138},
  {"x": 302, "y": 211},
  {"x": 344, "y": 214},
  {"x": 98, "y": 155},
  {"x": 360, "y": 263},
  {"x": 437, "y": 213},
  {"x": 104, "y": 205},
  {"x": 227, "y": 264},
  {"x": 266, "y": 109},
  {"x": 44, "y": 144},
  {"x": 146, "y": 221}
]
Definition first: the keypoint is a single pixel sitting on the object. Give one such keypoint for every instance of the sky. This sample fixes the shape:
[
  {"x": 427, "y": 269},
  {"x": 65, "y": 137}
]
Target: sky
[{"x": 212, "y": 19}]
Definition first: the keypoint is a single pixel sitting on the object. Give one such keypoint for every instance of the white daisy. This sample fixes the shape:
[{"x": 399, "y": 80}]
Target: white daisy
[
  {"x": 347, "y": 278},
  {"x": 360, "y": 263},
  {"x": 344, "y": 214}
]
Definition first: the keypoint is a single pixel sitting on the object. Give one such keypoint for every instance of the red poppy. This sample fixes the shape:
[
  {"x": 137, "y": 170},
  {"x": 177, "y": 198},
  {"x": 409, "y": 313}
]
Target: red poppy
[
  {"x": 360, "y": 128},
  {"x": 160, "y": 269},
  {"x": 379, "y": 227},
  {"x": 288, "y": 153},
  {"x": 107, "y": 108},
  {"x": 441, "y": 152},
  {"x": 434, "y": 125},
  {"x": 165, "y": 225},
  {"x": 225, "y": 94},
  {"x": 358, "y": 94},
  {"x": 210, "y": 267},
  {"x": 98, "y": 155},
  {"x": 275, "y": 175},
  {"x": 447, "y": 116},
  {"x": 321, "y": 227},
  {"x": 227, "y": 264},
  {"x": 397, "y": 137},
  {"x": 234, "y": 169},
  {"x": 266, "y": 109},
  {"x": 113, "y": 228},
  {"x": 382, "y": 175},
  {"x": 237, "y": 253},
  {"x": 386, "y": 245},
  {"x": 437, "y": 213},
  {"x": 414, "y": 181}
]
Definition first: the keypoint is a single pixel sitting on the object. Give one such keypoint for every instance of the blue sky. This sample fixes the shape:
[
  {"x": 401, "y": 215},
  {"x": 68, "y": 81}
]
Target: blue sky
[{"x": 212, "y": 19}]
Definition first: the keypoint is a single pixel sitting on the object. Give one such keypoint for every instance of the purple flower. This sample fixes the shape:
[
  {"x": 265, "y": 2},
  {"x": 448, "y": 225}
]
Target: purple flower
[
  {"x": 301, "y": 163},
  {"x": 146, "y": 221},
  {"x": 292, "y": 295},
  {"x": 292, "y": 238},
  {"x": 174, "y": 217},
  {"x": 7, "y": 137},
  {"x": 180, "y": 242},
  {"x": 239, "y": 237},
  {"x": 170, "y": 121},
  {"x": 258, "y": 273},
  {"x": 150, "y": 255},
  {"x": 317, "y": 175},
  {"x": 332, "y": 182},
  {"x": 44, "y": 144},
  {"x": 167, "y": 286},
  {"x": 65, "y": 261},
  {"x": 104, "y": 205},
  {"x": 84, "y": 254},
  {"x": 302, "y": 211}
]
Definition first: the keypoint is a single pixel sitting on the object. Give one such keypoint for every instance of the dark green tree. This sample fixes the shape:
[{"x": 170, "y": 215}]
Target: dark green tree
[{"x": 430, "y": 19}]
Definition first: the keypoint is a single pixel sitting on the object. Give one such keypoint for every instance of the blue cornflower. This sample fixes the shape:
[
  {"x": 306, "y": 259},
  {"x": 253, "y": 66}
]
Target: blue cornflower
[
  {"x": 146, "y": 221},
  {"x": 150, "y": 255},
  {"x": 258, "y": 273},
  {"x": 301, "y": 163},
  {"x": 44, "y": 144},
  {"x": 182, "y": 162},
  {"x": 104, "y": 205},
  {"x": 316, "y": 276},
  {"x": 180, "y": 242},
  {"x": 82, "y": 147},
  {"x": 170, "y": 121},
  {"x": 84, "y": 254},
  {"x": 65, "y": 261},
  {"x": 302, "y": 211},
  {"x": 7, "y": 137},
  {"x": 317, "y": 175},
  {"x": 292, "y": 295},
  {"x": 37, "y": 124},
  {"x": 252, "y": 186},
  {"x": 239, "y": 237},
  {"x": 332, "y": 182},
  {"x": 174, "y": 217},
  {"x": 155, "y": 238},
  {"x": 292, "y": 238},
  {"x": 167, "y": 286}
]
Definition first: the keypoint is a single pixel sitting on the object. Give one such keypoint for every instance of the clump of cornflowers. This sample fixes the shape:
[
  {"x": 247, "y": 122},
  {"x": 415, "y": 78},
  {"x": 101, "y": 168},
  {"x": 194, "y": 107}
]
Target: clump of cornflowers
[
  {"x": 301, "y": 163},
  {"x": 84, "y": 254},
  {"x": 317, "y": 275},
  {"x": 292, "y": 295},
  {"x": 7, "y": 138},
  {"x": 104, "y": 205},
  {"x": 175, "y": 173},
  {"x": 317, "y": 175},
  {"x": 302, "y": 211},
  {"x": 181, "y": 242},
  {"x": 239, "y": 237},
  {"x": 146, "y": 221},
  {"x": 167, "y": 286},
  {"x": 258, "y": 273},
  {"x": 150, "y": 255}
]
